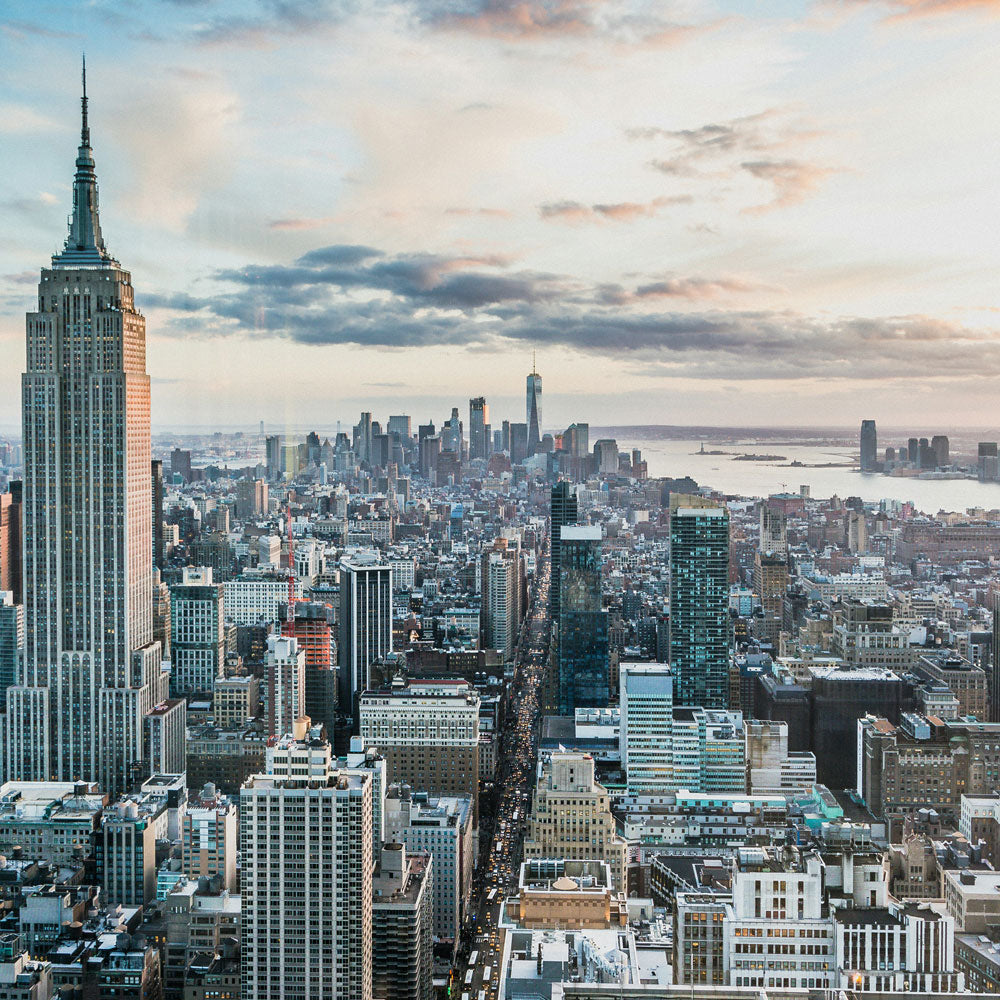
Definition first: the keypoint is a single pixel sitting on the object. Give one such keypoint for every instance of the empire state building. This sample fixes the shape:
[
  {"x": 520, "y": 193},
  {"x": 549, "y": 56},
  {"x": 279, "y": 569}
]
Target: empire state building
[{"x": 90, "y": 671}]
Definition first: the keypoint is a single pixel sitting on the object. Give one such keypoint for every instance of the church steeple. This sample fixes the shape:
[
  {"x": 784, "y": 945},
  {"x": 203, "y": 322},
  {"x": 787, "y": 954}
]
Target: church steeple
[{"x": 85, "y": 244}]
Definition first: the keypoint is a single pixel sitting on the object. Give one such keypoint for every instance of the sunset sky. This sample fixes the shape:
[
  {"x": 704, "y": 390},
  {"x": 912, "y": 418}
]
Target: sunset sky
[{"x": 695, "y": 211}]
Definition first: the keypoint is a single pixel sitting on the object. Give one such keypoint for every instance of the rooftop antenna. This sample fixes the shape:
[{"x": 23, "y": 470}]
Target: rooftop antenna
[
  {"x": 85, "y": 127},
  {"x": 533, "y": 368}
]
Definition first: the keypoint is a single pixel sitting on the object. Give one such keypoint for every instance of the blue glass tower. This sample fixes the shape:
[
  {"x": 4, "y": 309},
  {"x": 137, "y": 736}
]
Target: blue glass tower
[
  {"x": 583, "y": 625},
  {"x": 699, "y": 601}
]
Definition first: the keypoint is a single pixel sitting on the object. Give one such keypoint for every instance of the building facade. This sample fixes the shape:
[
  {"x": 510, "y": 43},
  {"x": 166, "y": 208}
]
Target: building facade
[{"x": 699, "y": 601}]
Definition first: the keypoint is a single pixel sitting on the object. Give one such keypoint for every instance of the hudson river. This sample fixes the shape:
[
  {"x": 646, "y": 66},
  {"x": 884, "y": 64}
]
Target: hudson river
[{"x": 757, "y": 479}]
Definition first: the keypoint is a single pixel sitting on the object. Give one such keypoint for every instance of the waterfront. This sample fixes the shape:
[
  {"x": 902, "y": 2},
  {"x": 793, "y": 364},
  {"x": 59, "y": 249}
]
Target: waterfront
[{"x": 678, "y": 458}]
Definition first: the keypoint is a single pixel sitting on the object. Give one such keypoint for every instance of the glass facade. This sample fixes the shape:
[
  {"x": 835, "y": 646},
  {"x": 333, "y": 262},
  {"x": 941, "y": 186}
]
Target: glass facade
[
  {"x": 699, "y": 605},
  {"x": 583, "y": 625}
]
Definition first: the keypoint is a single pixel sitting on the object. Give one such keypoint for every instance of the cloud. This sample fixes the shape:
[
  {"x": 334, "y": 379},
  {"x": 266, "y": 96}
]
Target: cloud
[
  {"x": 534, "y": 20},
  {"x": 489, "y": 213},
  {"x": 274, "y": 20},
  {"x": 903, "y": 9},
  {"x": 514, "y": 19},
  {"x": 756, "y": 144},
  {"x": 357, "y": 295},
  {"x": 18, "y": 29},
  {"x": 301, "y": 223},
  {"x": 622, "y": 211},
  {"x": 792, "y": 179}
]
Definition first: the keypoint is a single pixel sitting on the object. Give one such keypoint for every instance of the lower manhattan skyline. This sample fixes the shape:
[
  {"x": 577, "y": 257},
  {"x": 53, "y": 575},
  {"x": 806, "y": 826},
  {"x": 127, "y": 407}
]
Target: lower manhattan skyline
[{"x": 693, "y": 213}]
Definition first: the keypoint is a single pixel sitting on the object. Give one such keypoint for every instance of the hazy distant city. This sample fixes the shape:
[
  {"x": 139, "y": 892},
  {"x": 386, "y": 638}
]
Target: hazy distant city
[{"x": 385, "y": 622}]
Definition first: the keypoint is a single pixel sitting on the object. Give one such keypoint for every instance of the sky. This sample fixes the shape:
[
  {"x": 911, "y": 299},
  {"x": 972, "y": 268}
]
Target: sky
[{"x": 690, "y": 212}]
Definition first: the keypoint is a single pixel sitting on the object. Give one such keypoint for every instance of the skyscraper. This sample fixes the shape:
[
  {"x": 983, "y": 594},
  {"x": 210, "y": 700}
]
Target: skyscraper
[
  {"x": 91, "y": 669},
  {"x": 286, "y": 684},
  {"x": 534, "y": 410},
  {"x": 583, "y": 625},
  {"x": 365, "y": 625},
  {"x": 11, "y": 641},
  {"x": 562, "y": 511},
  {"x": 501, "y": 607},
  {"x": 699, "y": 601},
  {"x": 869, "y": 446},
  {"x": 479, "y": 418},
  {"x": 941, "y": 452},
  {"x": 306, "y": 886},
  {"x": 196, "y": 626},
  {"x": 156, "y": 512}
]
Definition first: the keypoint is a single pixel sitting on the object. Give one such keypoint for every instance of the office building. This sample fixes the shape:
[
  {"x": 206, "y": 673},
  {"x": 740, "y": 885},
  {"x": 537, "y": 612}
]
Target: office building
[
  {"x": 501, "y": 607},
  {"x": 255, "y": 597},
  {"x": 988, "y": 467},
  {"x": 313, "y": 628},
  {"x": 699, "y": 601},
  {"x": 209, "y": 837},
  {"x": 197, "y": 641},
  {"x": 646, "y": 702},
  {"x": 91, "y": 670},
  {"x": 571, "y": 816},
  {"x": 11, "y": 643},
  {"x": 583, "y": 624},
  {"x": 125, "y": 850},
  {"x": 773, "y": 531},
  {"x": 562, "y": 511},
  {"x": 428, "y": 733},
  {"x": 251, "y": 499},
  {"x": 365, "y": 625},
  {"x": 306, "y": 886},
  {"x": 202, "y": 922},
  {"x": 164, "y": 737},
  {"x": 922, "y": 763},
  {"x": 771, "y": 767},
  {"x": 156, "y": 513},
  {"x": 180, "y": 465},
  {"x": 286, "y": 684},
  {"x": 606, "y": 457},
  {"x": 942, "y": 457},
  {"x": 966, "y": 681},
  {"x": 49, "y": 820},
  {"x": 770, "y": 581},
  {"x": 518, "y": 441},
  {"x": 441, "y": 826},
  {"x": 479, "y": 432},
  {"x": 10, "y": 543},
  {"x": 237, "y": 699},
  {"x": 402, "y": 919},
  {"x": 533, "y": 420},
  {"x": 869, "y": 446}
]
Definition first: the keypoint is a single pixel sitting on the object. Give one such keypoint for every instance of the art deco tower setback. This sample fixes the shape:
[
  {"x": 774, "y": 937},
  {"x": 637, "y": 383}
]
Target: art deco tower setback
[{"x": 90, "y": 670}]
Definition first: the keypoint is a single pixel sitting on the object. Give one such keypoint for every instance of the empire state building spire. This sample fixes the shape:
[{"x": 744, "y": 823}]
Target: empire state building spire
[{"x": 85, "y": 244}]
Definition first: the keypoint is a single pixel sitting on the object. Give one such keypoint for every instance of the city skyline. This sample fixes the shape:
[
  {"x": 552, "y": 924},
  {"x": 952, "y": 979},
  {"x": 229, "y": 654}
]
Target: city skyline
[{"x": 354, "y": 228}]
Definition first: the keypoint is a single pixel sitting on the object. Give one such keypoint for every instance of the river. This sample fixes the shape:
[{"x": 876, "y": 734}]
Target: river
[{"x": 676, "y": 458}]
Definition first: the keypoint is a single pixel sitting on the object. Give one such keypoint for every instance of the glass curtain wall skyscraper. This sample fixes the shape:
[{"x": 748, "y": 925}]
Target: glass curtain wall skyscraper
[
  {"x": 869, "y": 446},
  {"x": 699, "y": 601},
  {"x": 583, "y": 625},
  {"x": 91, "y": 670},
  {"x": 534, "y": 410}
]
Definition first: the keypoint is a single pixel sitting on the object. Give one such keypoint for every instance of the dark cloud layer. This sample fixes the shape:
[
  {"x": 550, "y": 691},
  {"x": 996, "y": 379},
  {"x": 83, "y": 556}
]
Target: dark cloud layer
[{"x": 347, "y": 294}]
